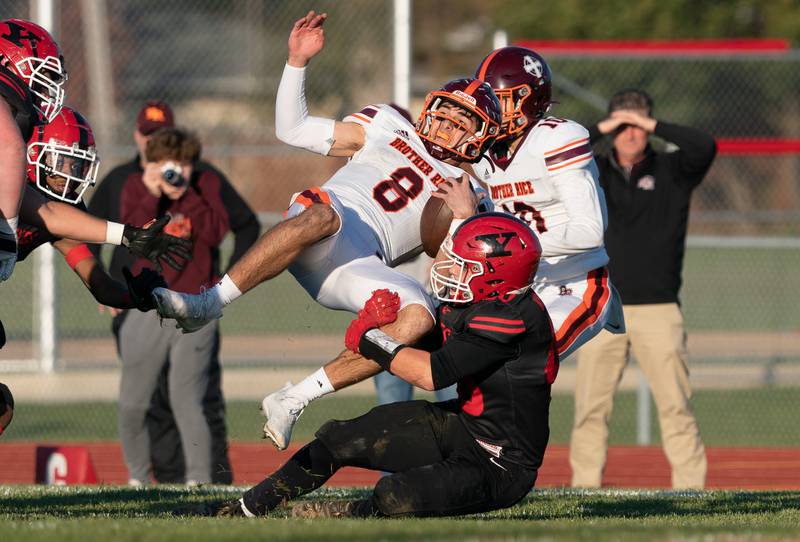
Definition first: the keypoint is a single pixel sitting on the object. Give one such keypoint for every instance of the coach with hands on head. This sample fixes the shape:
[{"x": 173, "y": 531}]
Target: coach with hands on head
[
  {"x": 648, "y": 194},
  {"x": 170, "y": 185}
]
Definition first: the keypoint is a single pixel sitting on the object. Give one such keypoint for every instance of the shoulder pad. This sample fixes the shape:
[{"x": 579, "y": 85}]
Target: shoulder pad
[
  {"x": 562, "y": 144},
  {"x": 496, "y": 321},
  {"x": 365, "y": 116}
]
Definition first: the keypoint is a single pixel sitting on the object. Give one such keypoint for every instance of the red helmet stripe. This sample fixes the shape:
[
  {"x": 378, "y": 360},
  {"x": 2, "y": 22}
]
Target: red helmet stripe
[{"x": 485, "y": 65}]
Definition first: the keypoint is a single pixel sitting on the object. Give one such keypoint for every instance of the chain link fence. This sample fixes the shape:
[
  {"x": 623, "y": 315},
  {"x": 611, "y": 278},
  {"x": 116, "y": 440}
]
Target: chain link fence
[{"x": 218, "y": 64}]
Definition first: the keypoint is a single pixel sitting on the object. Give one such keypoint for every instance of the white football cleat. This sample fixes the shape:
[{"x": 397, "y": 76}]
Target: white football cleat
[
  {"x": 282, "y": 411},
  {"x": 191, "y": 311}
]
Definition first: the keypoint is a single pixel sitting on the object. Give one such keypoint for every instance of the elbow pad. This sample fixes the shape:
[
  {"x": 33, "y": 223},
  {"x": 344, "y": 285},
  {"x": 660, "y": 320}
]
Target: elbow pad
[{"x": 293, "y": 125}]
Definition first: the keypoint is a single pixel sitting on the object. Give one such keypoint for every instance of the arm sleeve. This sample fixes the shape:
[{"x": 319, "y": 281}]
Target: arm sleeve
[
  {"x": 293, "y": 125},
  {"x": 578, "y": 191},
  {"x": 466, "y": 354},
  {"x": 697, "y": 150}
]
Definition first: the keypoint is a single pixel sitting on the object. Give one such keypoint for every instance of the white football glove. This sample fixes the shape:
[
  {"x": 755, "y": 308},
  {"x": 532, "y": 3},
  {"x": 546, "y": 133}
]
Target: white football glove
[{"x": 8, "y": 247}]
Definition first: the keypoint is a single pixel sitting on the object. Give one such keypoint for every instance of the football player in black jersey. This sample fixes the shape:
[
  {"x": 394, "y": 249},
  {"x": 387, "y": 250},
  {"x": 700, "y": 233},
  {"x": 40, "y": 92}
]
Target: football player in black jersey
[
  {"x": 62, "y": 164},
  {"x": 477, "y": 453}
]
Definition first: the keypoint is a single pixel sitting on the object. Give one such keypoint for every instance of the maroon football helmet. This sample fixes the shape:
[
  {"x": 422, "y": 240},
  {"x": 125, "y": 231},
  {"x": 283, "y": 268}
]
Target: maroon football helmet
[
  {"x": 62, "y": 160},
  {"x": 31, "y": 53},
  {"x": 523, "y": 83},
  {"x": 489, "y": 255},
  {"x": 475, "y": 98}
]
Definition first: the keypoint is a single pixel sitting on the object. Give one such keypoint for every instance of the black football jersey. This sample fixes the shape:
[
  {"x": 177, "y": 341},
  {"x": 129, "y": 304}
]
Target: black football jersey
[
  {"x": 502, "y": 355},
  {"x": 29, "y": 237},
  {"x": 19, "y": 97}
]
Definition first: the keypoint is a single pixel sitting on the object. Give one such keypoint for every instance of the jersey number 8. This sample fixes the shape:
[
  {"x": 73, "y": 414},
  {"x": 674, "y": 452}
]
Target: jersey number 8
[{"x": 404, "y": 183}]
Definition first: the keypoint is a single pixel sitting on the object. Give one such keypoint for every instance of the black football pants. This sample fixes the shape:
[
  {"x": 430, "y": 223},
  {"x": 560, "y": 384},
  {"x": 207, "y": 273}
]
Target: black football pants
[{"x": 438, "y": 468}]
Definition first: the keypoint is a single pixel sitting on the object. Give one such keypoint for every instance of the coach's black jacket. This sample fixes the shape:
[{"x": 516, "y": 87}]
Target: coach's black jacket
[{"x": 648, "y": 212}]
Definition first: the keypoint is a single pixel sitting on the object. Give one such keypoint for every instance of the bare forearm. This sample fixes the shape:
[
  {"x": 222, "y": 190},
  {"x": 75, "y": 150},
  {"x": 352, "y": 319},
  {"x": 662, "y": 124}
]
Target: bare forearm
[
  {"x": 62, "y": 220},
  {"x": 12, "y": 166}
]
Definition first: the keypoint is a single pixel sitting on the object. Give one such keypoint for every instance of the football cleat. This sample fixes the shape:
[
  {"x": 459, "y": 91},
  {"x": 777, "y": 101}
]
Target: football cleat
[
  {"x": 333, "y": 509},
  {"x": 191, "y": 312},
  {"x": 282, "y": 411}
]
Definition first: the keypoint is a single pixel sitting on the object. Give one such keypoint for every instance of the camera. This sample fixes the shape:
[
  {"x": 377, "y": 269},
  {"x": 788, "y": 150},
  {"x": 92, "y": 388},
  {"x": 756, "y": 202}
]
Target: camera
[{"x": 172, "y": 173}]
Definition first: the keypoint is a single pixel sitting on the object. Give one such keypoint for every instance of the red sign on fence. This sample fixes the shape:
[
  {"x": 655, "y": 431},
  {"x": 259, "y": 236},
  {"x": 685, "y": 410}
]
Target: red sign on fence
[{"x": 62, "y": 465}]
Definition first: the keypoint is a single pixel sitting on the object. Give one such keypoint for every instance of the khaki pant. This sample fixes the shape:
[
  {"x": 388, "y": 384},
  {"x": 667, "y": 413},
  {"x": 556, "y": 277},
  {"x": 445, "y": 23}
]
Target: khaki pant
[{"x": 658, "y": 339}]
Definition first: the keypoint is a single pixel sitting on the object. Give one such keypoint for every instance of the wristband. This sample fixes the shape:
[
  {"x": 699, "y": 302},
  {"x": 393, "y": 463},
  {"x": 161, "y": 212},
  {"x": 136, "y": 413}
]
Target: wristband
[
  {"x": 114, "y": 232},
  {"x": 9, "y": 225},
  {"x": 379, "y": 347},
  {"x": 456, "y": 222},
  {"x": 77, "y": 254}
]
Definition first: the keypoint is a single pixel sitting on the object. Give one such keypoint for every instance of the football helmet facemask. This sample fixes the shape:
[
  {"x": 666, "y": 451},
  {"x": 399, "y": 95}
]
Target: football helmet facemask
[
  {"x": 446, "y": 122},
  {"x": 62, "y": 160}
]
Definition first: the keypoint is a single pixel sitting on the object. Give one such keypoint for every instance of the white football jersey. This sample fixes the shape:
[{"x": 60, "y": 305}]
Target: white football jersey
[
  {"x": 551, "y": 183},
  {"x": 389, "y": 180}
]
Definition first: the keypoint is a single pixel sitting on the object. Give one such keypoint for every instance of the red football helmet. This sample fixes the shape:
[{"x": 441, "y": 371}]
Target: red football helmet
[
  {"x": 31, "y": 53},
  {"x": 476, "y": 99},
  {"x": 488, "y": 256},
  {"x": 62, "y": 160},
  {"x": 523, "y": 83}
]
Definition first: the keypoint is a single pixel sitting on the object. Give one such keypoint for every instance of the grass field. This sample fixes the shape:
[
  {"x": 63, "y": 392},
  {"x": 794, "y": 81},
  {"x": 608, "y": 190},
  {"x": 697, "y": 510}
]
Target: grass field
[
  {"x": 67, "y": 514},
  {"x": 753, "y": 417},
  {"x": 711, "y": 275}
]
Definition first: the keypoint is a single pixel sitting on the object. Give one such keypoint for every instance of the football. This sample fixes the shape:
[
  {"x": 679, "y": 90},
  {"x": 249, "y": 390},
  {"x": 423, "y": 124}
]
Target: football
[{"x": 434, "y": 225}]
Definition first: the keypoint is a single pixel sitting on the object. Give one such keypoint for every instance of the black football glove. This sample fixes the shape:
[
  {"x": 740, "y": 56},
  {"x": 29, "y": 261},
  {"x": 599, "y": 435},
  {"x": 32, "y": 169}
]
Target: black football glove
[
  {"x": 152, "y": 243},
  {"x": 6, "y": 407},
  {"x": 141, "y": 287}
]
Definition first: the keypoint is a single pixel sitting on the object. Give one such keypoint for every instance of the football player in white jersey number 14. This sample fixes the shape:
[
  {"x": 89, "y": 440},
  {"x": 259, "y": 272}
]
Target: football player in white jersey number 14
[
  {"x": 341, "y": 241},
  {"x": 541, "y": 169}
]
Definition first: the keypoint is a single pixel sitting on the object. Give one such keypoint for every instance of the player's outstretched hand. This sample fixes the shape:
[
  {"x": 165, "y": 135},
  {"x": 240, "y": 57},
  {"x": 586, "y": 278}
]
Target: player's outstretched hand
[
  {"x": 141, "y": 286},
  {"x": 152, "y": 243},
  {"x": 379, "y": 310},
  {"x": 306, "y": 39},
  {"x": 458, "y": 194}
]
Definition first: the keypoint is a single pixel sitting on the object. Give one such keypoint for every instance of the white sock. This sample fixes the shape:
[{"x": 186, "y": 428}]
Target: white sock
[
  {"x": 313, "y": 386},
  {"x": 227, "y": 291},
  {"x": 247, "y": 512}
]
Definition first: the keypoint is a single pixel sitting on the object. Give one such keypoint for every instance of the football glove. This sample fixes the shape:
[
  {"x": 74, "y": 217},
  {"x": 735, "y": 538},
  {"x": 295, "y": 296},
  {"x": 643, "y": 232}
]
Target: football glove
[
  {"x": 379, "y": 310},
  {"x": 141, "y": 286},
  {"x": 152, "y": 243}
]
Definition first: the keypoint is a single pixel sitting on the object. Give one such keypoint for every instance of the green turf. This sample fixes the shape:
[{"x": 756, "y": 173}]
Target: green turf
[
  {"x": 68, "y": 514},
  {"x": 753, "y": 417},
  {"x": 719, "y": 293}
]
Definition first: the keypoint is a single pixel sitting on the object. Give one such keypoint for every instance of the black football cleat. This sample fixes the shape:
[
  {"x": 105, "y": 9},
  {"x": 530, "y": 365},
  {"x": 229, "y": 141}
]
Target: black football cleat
[{"x": 2, "y": 335}]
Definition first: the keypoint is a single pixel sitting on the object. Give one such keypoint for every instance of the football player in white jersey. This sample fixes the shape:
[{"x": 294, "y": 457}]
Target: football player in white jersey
[
  {"x": 541, "y": 169},
  {"x": 340, "y": 241}
]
